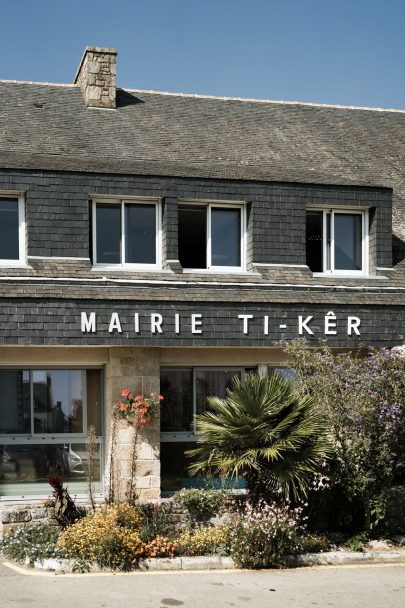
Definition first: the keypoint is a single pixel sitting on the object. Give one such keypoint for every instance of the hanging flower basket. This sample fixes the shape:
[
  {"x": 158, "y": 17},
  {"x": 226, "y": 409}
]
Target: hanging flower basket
[{"x": 138, "y": 410}]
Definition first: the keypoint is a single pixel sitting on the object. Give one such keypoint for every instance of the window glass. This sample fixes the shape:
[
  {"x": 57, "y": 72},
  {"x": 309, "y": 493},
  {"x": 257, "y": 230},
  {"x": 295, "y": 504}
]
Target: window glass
[
  {"x": 177, "y": 388},
  {"x": 108, "y": 234},
  {"x": 58, "y": 401},
  {"x": 140, "y": 234},
  {"x": 314, "y": 240},
  {"x": 192, "y": 222},
  {"x": 175, "y": 475},
  {"x": 15, "y": 410},
  {"x": 9, "y": 228},
  {"x": 348, "y": 241},
  {"x": 286, "y": 372},
  {"x": 174, "y": 466},
  {"x": 24, "y": 469},
  {"x": 212, "y": 383},
  {"x": 225, "y": 237},
  {"x": 334, "y": 241},
  {"x": 94, "y": 399}
]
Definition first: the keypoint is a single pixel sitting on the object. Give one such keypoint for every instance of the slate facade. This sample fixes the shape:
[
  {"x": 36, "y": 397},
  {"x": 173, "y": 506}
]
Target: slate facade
[{"x": 273, "y": 159}]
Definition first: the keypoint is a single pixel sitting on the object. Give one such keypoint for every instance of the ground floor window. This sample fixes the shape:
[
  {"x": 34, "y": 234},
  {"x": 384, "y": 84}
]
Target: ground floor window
[
  {"x": 185, "y": 392},
  {"x": 44, "y": 418}
]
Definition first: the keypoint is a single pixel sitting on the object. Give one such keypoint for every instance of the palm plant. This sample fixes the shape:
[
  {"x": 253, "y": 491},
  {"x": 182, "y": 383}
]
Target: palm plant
[{"x": 265, "y": 430}]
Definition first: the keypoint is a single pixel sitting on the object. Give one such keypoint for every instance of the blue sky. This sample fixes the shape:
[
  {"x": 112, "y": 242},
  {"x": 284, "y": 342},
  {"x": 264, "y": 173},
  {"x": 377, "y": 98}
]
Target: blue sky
[{"x": 327, "y": 51}]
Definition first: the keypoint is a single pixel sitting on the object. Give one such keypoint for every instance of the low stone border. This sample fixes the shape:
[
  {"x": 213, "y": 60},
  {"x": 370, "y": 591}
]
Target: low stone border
[
  {"x": 332, "y": 558},
  {"x": 337, "y": 558}
]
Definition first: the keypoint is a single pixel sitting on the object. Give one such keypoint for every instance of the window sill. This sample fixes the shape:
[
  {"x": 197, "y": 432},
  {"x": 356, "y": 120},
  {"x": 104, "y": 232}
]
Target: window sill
[
  {"x": 357, "y": 277},
  {"x": 211, "y": 271},
  {"x": 129, "y": 268},
  {"x": 14, "y": 264}
]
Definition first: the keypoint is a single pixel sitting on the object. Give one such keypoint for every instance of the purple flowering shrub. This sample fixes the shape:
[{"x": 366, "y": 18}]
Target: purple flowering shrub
[{"x": 361, "y": 397}]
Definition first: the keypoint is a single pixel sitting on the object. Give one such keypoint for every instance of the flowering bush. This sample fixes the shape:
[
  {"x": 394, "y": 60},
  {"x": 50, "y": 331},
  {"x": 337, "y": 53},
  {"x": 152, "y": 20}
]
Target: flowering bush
[
  {"x": 31, "y": 543},
  {"x": 160, "y": 547},
  {"x": 139, "y": 408},
  {"x": 206, "y": 541},
  {"x": 100, "y": 537},
  {"x": 128, "y": 516},
  {"x": 362, "y": 400},
  {"x": 264, "y": 535}
]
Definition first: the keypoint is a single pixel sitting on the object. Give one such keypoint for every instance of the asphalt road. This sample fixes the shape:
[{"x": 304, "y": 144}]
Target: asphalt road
[{"x": 344, "y": 587}]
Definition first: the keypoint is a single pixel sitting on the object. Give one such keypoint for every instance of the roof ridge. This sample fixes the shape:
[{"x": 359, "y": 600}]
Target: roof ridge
[
  {"x": 220, "y": 97},
  {"x": 45, "y": 84},
  {"x": 253, "y": 99}
]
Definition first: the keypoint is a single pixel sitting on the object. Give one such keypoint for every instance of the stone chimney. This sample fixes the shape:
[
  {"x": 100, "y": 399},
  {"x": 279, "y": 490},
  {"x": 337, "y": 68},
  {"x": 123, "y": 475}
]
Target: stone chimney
[{"x": 96, "y": 77}]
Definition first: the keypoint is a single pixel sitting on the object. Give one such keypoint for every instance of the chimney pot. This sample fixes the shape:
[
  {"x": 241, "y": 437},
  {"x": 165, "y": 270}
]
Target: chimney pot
[{"x": 96, "y": 77}]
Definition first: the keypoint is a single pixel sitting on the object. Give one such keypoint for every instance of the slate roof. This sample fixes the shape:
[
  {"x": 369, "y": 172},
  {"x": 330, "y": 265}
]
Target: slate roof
[{"x": 49, "y": 127}]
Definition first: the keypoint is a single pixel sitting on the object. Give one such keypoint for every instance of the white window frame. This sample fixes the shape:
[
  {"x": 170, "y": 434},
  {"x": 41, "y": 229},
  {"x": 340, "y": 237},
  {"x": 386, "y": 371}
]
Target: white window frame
[
  {"x": 121, "y": 202},
  {"x": 332, "y": 211},
  {"x": 13, "y": 263},
  {"x": 208, "y": 253}
]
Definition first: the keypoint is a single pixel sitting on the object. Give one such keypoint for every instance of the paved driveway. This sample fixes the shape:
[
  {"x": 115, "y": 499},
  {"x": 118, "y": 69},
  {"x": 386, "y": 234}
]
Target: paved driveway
[{"x": 365, "y": 587}]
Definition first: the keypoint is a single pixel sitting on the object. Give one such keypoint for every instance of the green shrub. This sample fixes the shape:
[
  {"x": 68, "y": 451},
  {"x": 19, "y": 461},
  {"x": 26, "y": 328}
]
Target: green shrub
[
  {"x": 357, "y": 542},
  {"x": 264, "y": 536},
  {"x": 155, "y": 522},
  {"x": 31, "y": 543},
  {"x": 214, "y": 540},
  {"x": 201, "y": 504},
  {"x": 315, "y": 543}
]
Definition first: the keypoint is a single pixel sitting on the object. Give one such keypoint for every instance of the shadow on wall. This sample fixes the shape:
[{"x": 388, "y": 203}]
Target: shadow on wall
[{"x": 398, "y": 250}]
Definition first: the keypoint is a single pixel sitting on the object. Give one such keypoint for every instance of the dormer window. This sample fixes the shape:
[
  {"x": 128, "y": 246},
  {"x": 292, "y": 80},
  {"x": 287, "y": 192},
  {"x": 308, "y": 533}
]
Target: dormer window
[
  {"x": 126, "y": 234},
  {"x": 12, "y": 231},
  {"x": 337, "y": 241},
  {"x": 211, "y": 236}
]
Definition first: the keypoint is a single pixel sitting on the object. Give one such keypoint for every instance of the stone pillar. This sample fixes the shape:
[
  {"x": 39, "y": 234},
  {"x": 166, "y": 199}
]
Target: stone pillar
[
  {"x": 138, "y": 370},
  {"x": 96, "y": 77}
]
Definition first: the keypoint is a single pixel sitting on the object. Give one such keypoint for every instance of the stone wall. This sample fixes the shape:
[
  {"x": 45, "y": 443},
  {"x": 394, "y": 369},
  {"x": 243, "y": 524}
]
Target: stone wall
[
  {"x": 138, "y": 370},
  {"x": 17, "y": 516}
]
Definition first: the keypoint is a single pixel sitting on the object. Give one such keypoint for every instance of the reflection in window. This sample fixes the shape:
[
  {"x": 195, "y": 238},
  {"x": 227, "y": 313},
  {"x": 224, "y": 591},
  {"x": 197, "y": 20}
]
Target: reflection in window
[
  {"x": 177, "y": 388},
  {"x": 15, "y": 409},
  {"x": 286, "y": 372},
  {"x": 185, "y": 394},
  {"x": 9, "y": 229},
  {"x": 125, "y": 233},
  {"x": 335, "y": 241},
  {"x": 34, "y": 406},
  {"x": 24, "y": 469},
  {"x": 58, "y": 401},
  {"x": 108, "y": 234},
  {"x": 225, "y": 237},
  {"x": 210, "y": 383}
]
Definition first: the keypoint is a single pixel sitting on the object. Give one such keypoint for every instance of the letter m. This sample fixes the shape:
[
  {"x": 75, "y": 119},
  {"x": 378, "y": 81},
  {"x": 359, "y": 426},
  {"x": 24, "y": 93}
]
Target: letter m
[{"x": 88, "y": 322}]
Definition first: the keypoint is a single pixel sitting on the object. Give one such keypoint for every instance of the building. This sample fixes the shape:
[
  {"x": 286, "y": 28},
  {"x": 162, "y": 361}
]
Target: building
[{"x": 163, "y": 240}]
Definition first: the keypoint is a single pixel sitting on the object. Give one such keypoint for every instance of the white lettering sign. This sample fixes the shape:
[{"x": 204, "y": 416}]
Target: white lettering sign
[
  {"x": 156, "y": 321},
  {"x": 115, "y": 323},
  {"x": 330, "y": 324},
  {"x": 245, "y": 322},
  {"x": 353, "y": 324},
  {"x": 304, "y": 325},
  {"x": 196, "y": 322},
  {"x": 88, "y": 322}
]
